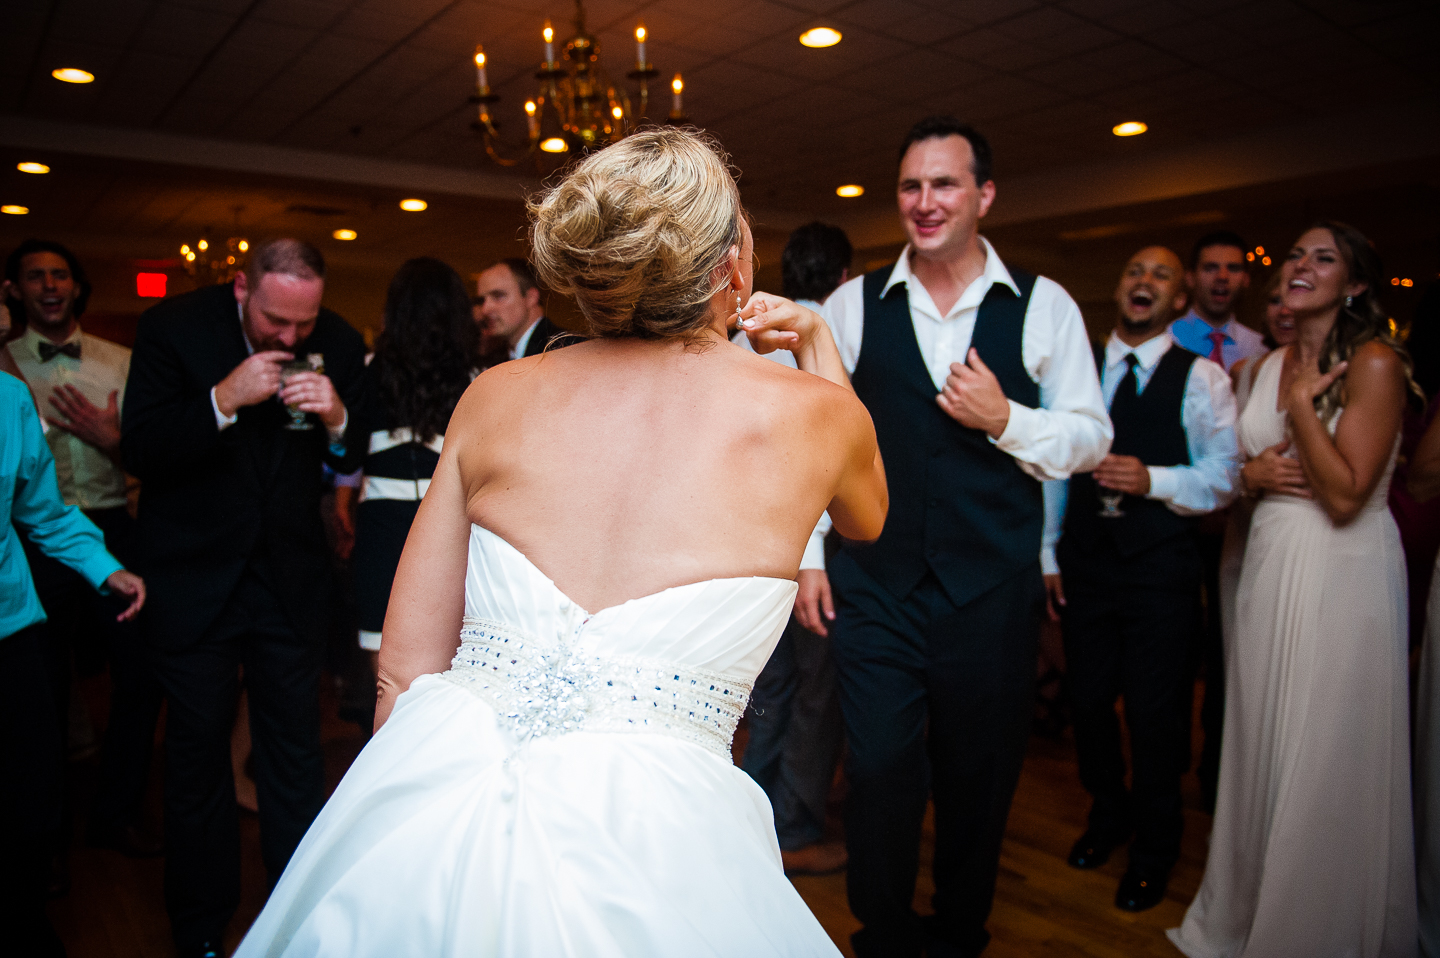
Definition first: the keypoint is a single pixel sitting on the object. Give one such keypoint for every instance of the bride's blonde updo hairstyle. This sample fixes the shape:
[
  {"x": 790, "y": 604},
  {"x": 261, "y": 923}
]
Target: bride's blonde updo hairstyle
[{"x": 639, "y": 234}]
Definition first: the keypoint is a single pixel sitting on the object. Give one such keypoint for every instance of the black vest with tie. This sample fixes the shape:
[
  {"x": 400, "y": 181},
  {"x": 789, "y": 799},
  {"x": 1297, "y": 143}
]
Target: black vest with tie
[
  {"x": 1149, "y": 426},
  {"x": 959, "y": 507}
]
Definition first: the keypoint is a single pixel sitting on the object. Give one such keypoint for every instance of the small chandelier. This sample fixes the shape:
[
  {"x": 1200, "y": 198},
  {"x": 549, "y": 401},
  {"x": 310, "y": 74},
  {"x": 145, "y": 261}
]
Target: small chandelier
[
  {"x": 209, "y": 263},
  {"x": 577, "y": 105}
]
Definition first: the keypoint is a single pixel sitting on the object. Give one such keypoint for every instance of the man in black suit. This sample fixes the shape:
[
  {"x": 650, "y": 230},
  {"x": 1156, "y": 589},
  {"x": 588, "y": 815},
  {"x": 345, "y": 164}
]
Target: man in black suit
[
  {"x": 231, "y": 541},
  {"x": 508, "y": 300}
]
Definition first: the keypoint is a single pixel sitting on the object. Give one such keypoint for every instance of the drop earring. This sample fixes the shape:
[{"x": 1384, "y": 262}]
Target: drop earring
[{"x": 1348, "y": 301}]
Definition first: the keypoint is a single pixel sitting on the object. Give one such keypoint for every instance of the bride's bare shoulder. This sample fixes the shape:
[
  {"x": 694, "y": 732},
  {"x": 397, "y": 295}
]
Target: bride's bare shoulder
[{"x": 813, "y": 397}]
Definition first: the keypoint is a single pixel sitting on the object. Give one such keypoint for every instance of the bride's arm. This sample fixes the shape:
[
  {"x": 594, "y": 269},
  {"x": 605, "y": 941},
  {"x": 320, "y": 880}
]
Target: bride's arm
[
  {"x": 427, "y": 600},
  {"x": 861, "y": 497},
  {"x": 774, "y": 322}
]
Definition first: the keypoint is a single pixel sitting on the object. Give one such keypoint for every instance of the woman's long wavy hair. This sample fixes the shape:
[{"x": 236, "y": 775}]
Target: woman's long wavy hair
[
  {"x": 1359, "y": 321},
  {"x": 427, "y": 353}
]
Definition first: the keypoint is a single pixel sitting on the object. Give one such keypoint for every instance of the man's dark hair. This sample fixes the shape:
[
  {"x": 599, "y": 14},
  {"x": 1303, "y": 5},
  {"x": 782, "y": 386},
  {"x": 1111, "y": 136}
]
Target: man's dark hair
[
  {"x": 289, "y": 257},
  {"x": 941, "y": 126},
  {"x": 814, "y": 259},
  {"x": 521, "y": 269},
  {"x": 29, "y": 248},
  {"x": 1217, "y": 238}
]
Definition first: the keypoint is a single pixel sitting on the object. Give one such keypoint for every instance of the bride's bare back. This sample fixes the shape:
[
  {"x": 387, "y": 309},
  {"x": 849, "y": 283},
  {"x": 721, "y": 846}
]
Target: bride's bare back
[{"x": 621, "y": 468}]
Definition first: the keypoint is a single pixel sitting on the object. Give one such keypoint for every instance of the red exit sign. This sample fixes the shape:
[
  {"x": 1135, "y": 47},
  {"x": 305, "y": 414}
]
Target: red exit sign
[{"x": 150, "y": 285}]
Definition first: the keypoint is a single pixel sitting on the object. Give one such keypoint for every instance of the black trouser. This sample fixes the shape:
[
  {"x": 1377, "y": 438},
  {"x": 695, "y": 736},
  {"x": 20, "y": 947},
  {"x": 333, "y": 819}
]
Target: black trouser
[
  {"x": 1212, "y": 709},
  {"x": 936, "y": 697},
  {"x": 795, "y": 734},
  {"x": 1129, "y": 631},
  {"x": 30, "y": 777},
  {"x": 80, "y": 622},
  {"x": 202, "y": 829}
]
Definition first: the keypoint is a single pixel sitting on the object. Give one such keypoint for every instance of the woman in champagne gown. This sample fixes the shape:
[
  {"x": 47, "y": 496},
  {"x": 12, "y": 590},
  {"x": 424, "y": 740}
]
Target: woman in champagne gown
[
  {"x": 1311, "y": 853},
  {"x": 598, "y": 571}
]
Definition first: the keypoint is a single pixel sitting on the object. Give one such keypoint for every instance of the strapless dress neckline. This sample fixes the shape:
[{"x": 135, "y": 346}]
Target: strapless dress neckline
[{"x": 506, "y": 544}]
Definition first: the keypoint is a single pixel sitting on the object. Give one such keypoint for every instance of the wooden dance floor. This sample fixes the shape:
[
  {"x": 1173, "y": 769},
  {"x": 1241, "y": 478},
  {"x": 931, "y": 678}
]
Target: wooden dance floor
[{"x": 115, "y": 908}]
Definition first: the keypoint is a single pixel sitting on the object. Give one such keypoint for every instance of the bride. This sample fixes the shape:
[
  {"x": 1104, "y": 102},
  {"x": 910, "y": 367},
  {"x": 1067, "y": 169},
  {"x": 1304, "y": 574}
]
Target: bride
[{"x": 600, "y": 568}]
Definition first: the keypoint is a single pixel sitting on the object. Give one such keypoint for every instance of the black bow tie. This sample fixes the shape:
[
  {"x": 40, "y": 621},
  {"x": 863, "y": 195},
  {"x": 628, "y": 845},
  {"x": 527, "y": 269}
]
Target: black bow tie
[{"x": 49, "y": 351}]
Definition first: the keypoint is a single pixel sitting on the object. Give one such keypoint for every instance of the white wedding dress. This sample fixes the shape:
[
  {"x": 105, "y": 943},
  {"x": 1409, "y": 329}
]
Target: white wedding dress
[{"x": 565, "y": 789}]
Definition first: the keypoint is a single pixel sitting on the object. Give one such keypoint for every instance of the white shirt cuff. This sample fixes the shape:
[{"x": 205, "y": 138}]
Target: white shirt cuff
[
  {"x": 1164, "y": 484},
  {"x": 338, "y": 432},
  {"x": 1017, "y": 430},
  {"x": 222, "y": 421}
]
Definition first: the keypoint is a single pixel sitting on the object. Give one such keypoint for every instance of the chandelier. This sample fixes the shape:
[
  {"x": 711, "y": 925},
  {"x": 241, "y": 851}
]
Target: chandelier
[
  {"x": 577, "y": 107},
  {"x": 216, "y": 262},
  {"x": 208, "y": 262}
]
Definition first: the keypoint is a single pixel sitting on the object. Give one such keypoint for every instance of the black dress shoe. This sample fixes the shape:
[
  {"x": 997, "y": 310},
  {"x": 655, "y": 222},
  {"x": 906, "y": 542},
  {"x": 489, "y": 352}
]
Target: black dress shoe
[
  {"x": 1140, "y": 891},
  {"x": 127, "y": 840},
  {"x": 1091, "y": 850}
]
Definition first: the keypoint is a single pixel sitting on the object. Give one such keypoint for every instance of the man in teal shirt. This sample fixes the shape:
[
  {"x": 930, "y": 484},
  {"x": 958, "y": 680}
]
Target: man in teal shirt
[{"x": 30, "y": 767}]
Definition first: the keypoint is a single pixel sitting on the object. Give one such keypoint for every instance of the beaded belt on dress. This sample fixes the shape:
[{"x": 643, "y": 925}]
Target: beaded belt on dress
[{"x": 555, "y": 689}]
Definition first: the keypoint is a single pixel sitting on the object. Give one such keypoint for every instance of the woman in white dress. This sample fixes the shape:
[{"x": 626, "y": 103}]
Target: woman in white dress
[
  {"x": 1311, "y": 852},
  {"x": 549, "y": 781}
]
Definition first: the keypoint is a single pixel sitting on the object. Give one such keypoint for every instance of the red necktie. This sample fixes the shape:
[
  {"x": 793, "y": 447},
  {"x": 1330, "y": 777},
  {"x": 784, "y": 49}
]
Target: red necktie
[{"x": 1217, "y": 355}]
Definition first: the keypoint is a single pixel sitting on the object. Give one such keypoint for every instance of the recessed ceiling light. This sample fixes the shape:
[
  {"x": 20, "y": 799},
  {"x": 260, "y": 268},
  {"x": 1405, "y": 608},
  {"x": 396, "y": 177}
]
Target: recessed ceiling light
[
  {"x": 413, "y": 206},
  {"x": 32, "y": 167},
  {"x": 850, "y": 189},
  {"x": 554, "y": 144},
  {"x": 1130, "y": 128},
  {"x": 820, "y": 37},
  {"x": 345, "y": 234},
  {"x": 14, "y": 210},
  {"x": 73, "y": 75}
]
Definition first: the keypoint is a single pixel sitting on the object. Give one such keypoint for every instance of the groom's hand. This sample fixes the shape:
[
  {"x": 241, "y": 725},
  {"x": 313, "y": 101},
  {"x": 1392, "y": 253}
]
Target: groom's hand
[
  {"x": 814, "y": 604},
  {"x": 252, "y": 382},
  {"x": 973, "y": 397}
]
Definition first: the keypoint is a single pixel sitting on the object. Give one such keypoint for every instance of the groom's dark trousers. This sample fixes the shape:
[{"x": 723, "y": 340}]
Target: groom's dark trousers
[{"x": 232, "y": 549}]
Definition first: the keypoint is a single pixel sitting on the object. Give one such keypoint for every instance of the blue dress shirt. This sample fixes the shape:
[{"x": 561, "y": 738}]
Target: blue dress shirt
[{"x": 1241, "y": 342}]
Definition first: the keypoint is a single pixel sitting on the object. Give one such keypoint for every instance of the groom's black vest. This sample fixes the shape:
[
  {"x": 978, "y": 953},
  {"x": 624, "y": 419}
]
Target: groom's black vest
[
  {"x": 959, "y": 507},
  {"x": 1151, "y": 428}
]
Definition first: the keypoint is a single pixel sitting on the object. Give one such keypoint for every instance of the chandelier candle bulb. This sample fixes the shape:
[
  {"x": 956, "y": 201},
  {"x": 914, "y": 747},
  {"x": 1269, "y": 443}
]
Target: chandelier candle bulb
[
  {"x": 481, "y": 80},
  {"x": 677, "y": 85},
  {"x": 640, "y": 47},
  {"x": 549, "y": 44},
  {"x": 532, "y": 119}
]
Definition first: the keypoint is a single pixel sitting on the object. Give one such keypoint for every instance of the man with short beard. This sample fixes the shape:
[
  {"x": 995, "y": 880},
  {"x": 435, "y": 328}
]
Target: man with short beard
[
  {"x": 1131, "y": 574},
  {"x": 232, "y": 545}
]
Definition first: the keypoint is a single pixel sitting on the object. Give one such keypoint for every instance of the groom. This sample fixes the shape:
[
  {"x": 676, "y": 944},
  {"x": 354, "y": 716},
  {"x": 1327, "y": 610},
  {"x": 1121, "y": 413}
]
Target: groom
[
  {"x": 231, "y": 543},
  {"x": 980, "y": 381}
]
